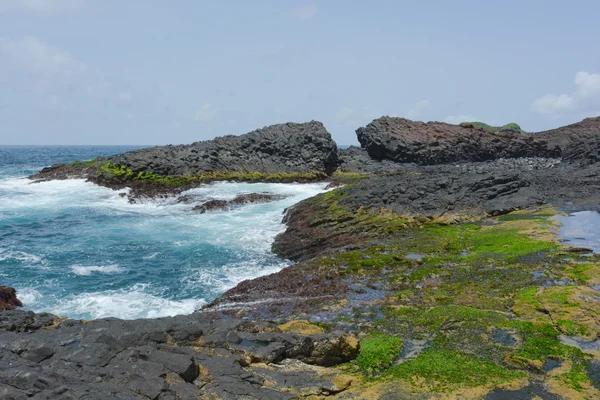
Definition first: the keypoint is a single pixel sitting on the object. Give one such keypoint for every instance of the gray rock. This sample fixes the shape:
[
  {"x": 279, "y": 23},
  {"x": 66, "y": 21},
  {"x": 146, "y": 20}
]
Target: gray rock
[{"x": 290, "y": 147}]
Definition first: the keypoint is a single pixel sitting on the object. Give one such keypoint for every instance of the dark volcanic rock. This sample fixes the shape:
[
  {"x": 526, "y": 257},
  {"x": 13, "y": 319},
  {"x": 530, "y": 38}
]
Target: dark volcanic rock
[
  {"x": 357, "y": 159},
  {"x": 407, "y": 141},
  {"x": 290, "y": 147},
  {"x": 448, "y": 192},
  {"x": 578, "y": 142},
  {"x": 251, "y": 198},
  {"x": 190, "y": 356},
  {"x": 273, "y": 296},
  {"x": 241, "y": 199},
  {"x": 211, "y": 205},
  {"x": 8, "y": 298}
]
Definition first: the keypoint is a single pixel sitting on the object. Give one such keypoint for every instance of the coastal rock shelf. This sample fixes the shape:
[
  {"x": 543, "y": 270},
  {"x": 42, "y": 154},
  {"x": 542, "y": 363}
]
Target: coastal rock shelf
[
  {"x": 432, "y": 269},
  {"x": 44, "y": 356}
]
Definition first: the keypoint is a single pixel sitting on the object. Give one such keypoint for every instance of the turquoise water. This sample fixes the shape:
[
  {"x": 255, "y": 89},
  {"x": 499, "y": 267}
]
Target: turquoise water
[{"x": 80, "y": 250}]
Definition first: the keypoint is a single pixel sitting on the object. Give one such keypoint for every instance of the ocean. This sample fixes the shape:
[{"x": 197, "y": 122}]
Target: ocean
[{"x": 75, "y": 249}]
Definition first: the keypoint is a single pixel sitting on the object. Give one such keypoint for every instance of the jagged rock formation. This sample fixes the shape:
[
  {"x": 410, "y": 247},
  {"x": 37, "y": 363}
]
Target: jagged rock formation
[
  {"x": 289, "y": 147},
  {"x": 276, "y": 149},
  {"x": 407, "y": 141},
  {"x": 578, "y": 142}
]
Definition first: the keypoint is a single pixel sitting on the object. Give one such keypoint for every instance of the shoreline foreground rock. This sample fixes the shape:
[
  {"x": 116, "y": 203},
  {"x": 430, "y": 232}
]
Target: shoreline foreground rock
[{"x": 432, "y": 270}]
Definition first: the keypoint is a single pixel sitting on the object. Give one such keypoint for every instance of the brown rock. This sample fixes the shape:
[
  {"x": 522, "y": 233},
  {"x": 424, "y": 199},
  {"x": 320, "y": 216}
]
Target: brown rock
[
  {"x": 8, "y": 298},
  {"x": 406, "y": 141}
]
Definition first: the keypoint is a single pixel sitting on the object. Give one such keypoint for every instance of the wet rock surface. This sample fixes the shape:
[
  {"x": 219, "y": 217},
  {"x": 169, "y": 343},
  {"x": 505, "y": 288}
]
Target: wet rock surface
[{"x": 242, "y": 199}]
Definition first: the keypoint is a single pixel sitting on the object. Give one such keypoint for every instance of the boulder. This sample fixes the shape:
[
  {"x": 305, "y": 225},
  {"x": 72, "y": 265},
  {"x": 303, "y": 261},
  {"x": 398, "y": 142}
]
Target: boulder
[
  {"x": 211, "y": 205},
  {"x": 8, "y": 298},
  {"x": 241, "y": 199}
]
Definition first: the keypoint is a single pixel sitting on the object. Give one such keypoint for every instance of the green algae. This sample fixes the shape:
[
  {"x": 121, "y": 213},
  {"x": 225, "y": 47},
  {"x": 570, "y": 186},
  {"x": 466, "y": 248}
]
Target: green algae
[
  {"x": 577, "y": 377},
  {"x": 377, "y": 353},
  {"x": 328, "y": 210},
  {"x": 494, "y": 129},
  {"x": 442, "y": 370},
  {"x": 124, "y": 173},
  {"x": 476, "y": 280},
  {"x": 580, "y": 273},
  {"x": 86, "y": 163}
]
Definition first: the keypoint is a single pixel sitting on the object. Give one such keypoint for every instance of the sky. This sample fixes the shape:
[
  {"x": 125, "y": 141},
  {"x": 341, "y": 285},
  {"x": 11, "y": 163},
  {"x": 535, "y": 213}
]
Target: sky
[{"x": 157, "y": 72}]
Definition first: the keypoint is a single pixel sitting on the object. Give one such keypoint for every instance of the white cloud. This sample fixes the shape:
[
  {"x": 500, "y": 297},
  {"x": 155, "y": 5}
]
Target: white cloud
[
  {"x": 306, "y": 12},
  {"x": 205, "y": 113},
  {"x": 457, "y": 119},
  {"x": 33, "y": 55},
  {"x": 418, "y": 110},
  {"x": 125, "y": 96},
  {"x": 588, "y": 85},
  {"x": 550, "y": 104},
  {"x": 585, "y": 98},
  {"x": 44, "y": 8},
  {"x": 356, "y": 117}
]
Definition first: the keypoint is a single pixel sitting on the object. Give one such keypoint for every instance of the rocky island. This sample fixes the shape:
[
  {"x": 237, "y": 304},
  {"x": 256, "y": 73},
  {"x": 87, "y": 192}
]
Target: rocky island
[{"x": 430, "y": 270}]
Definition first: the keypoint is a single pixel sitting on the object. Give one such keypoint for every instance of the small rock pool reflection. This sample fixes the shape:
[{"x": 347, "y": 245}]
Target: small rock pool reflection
[{"x": 581, "y": 229}]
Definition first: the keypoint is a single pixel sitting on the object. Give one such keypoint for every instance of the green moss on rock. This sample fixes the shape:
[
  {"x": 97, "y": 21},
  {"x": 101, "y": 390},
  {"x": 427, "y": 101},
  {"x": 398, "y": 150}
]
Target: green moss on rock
[{"x": 377, "y": 353}]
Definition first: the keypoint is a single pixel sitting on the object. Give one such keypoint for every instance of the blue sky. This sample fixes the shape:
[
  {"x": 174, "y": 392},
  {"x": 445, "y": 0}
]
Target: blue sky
[{"x": 157, "y": 72}]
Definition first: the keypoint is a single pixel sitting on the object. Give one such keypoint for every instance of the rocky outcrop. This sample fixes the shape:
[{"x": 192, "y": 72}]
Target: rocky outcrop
[
  {"x": 578, "y": 142},
  {"x": 406, "y": 141},
  {"x": 283, "y": 148},
  {"x": 211, "y": 205},
  {"x": 241, "y": 199},
  {"x": 8, "y": 298},
  {"x": 288, "y": 152},
  {"x": 442, "y": 193},
  {"x": 192, "y": 356}
]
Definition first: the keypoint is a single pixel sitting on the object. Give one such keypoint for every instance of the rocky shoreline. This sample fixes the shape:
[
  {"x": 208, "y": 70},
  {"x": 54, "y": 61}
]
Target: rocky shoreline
[{"x": 432, "y": 271}]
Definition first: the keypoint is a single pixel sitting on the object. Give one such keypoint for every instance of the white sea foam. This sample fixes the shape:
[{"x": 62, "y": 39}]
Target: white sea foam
[
  {"x": 131, "y": 303},
  {"x": 19, "y": 256},
  {"x": 86, "y": 270},
  {"x": 223, "y": 278},
  {"x": 160, "y": 227},
  {"x": 29, "y": 296}
]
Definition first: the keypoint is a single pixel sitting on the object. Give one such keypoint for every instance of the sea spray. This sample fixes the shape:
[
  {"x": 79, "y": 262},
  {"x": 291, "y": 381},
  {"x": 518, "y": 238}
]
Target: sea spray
[{"x": 80, "y": 250}]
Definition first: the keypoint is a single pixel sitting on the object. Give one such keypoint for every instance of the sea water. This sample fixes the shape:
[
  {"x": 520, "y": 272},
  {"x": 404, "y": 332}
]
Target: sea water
[{"x": 80, "y": 250}]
